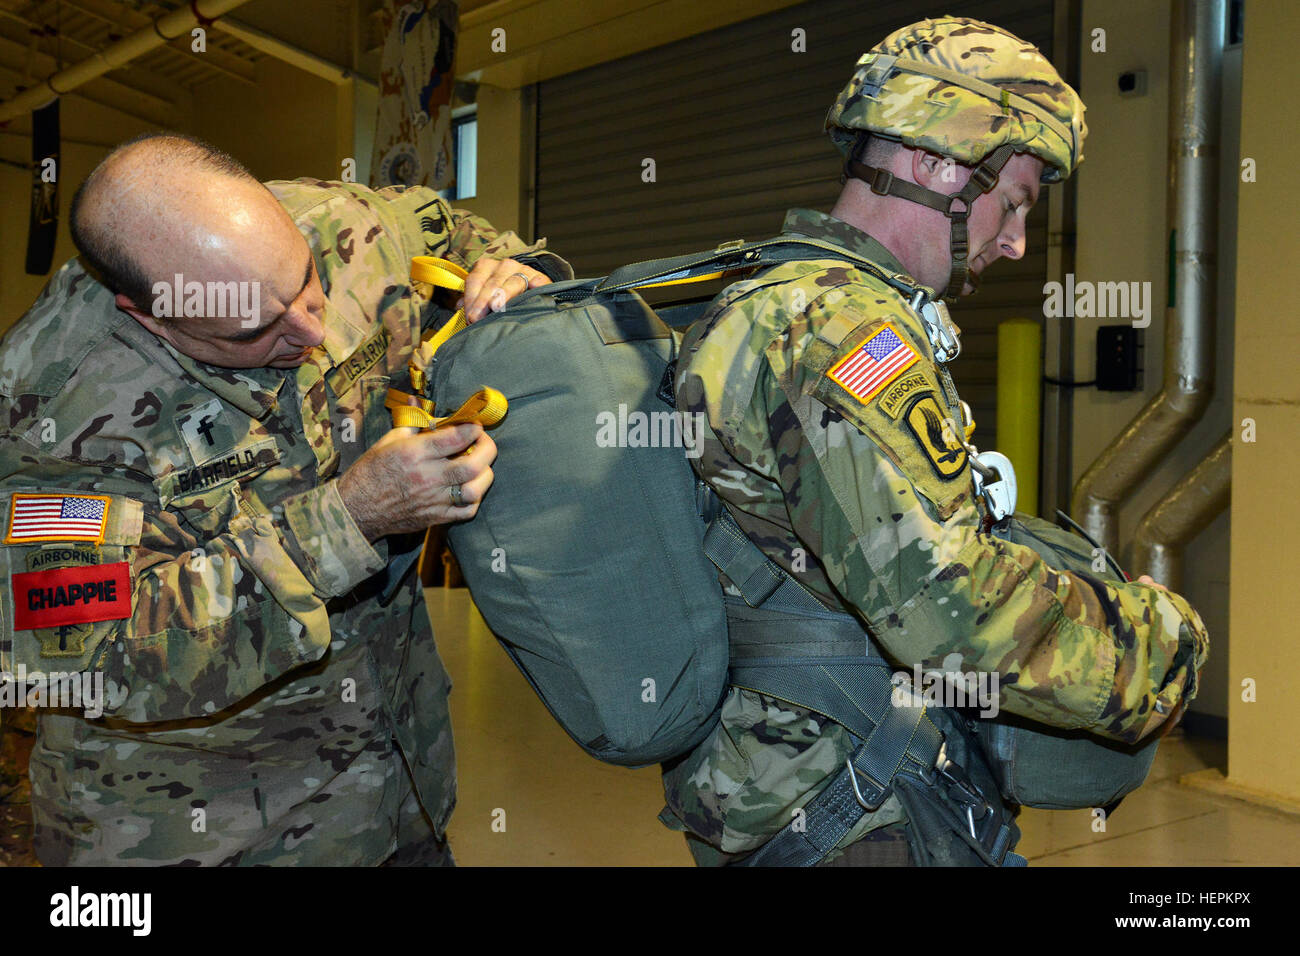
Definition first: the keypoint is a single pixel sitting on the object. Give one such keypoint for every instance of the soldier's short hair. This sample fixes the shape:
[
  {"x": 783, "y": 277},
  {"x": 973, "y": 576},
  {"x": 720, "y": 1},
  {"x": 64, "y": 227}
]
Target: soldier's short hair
[
  {"x": 876, "y": 150},
  {"x": 99, "y": 242}
]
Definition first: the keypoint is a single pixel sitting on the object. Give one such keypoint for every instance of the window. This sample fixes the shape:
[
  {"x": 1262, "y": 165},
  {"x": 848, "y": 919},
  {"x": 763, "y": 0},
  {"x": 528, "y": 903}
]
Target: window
[{"x": 464, "y": 147}]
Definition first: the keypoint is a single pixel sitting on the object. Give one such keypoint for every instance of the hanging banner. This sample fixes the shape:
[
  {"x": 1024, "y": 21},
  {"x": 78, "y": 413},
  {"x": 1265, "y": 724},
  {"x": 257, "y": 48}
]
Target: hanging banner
[
  {"x": 413, "y": 129},
  {"x": 43, "y": 223}
]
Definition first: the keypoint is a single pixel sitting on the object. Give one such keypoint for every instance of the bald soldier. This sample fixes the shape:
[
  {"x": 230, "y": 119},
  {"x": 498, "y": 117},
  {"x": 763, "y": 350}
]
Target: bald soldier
[
  {"x": 835, "y": 442},
  {"x": 201, "y": 496}
]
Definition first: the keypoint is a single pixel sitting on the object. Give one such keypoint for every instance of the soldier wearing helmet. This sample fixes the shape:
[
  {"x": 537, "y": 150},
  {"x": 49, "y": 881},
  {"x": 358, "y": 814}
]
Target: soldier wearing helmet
[{"x": 834, "y": 443}]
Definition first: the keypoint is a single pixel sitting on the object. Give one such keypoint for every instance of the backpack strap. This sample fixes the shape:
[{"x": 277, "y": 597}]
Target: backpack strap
[{"x": 739, "y": 255}]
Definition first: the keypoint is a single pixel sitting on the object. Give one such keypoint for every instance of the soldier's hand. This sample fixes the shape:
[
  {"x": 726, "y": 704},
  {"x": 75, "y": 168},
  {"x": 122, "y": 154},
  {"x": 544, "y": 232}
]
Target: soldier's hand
[
  {"x": 1148, "y": 579},
  {"x": 409, "y": 480},
  {"x": 494, "y": 282}
]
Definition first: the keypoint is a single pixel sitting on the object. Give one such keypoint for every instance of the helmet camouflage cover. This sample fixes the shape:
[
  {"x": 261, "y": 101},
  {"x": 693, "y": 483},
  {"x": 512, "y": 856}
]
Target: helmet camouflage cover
[{"x": 962, "y": 88}]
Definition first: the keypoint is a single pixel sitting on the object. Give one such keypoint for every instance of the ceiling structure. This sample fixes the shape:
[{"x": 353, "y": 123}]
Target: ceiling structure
[{"x": 332, "y": 38}]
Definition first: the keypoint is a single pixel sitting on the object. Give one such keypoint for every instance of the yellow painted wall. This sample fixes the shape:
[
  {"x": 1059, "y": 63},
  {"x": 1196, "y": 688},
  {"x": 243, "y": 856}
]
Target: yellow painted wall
[
  {"x": 89, "y": 131},
  {"x": 294, "y": 124},
  {"x": 1265, "y": 548},
  {"x": 1121, "y": 237}
]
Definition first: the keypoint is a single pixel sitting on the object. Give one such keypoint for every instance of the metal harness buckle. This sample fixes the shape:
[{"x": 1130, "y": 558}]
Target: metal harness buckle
[
  {"x": 946, "y": 345},
  {"x": 881, "y": 790},
  {"x": 966, "y": 793}
]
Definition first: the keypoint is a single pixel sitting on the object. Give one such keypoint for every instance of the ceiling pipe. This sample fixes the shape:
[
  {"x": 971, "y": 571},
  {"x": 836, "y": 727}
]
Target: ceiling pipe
[
  {"x": 294, "y": 56},
  {"x": 1195, "y": 70},
  {"x": 162, "y": 30}
]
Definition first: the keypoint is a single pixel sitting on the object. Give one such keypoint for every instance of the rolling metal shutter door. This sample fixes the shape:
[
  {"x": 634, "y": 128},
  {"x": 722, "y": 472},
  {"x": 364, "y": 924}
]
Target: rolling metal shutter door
[{"x": 733, "y": 120}]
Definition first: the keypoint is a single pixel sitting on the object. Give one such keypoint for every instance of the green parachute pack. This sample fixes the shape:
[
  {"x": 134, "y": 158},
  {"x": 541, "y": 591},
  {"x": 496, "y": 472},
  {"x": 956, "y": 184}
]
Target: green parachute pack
[{"x": 595, "y": 560}]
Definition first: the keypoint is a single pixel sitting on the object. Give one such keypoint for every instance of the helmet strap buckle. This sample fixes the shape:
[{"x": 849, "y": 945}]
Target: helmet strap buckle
[{"x": 984, "y": 177}]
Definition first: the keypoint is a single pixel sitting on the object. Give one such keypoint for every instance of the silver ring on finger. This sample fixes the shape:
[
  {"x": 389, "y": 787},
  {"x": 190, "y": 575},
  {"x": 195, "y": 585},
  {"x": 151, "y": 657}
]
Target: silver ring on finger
[
  {"x": 457, "y": 496},
  {"x": 520, "y": 275}
]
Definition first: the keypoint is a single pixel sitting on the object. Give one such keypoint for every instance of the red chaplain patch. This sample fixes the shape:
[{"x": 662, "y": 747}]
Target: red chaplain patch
[{"x": 96, "y": 592}]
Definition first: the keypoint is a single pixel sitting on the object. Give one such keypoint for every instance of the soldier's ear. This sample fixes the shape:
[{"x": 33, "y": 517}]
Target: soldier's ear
[
  {"x": 154, "y": 325},
  {"x": 926, "y": 166}
]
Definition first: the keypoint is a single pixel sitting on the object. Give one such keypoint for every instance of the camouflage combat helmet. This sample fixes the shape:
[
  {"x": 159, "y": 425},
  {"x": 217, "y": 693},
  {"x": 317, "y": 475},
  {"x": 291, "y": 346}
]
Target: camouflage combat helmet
[{"x": 963, "y": 89}]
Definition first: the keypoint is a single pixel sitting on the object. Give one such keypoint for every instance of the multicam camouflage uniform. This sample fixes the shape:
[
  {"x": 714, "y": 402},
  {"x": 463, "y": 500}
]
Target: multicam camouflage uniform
[
  {"x": 256, "y": 676},
  {"x": 868, "y": 501}
]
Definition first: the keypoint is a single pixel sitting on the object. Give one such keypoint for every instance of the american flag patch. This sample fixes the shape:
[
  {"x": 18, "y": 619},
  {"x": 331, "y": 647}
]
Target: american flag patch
[
  {"x": 57, "y": 518},
  {"x": 874, "y": 364}
]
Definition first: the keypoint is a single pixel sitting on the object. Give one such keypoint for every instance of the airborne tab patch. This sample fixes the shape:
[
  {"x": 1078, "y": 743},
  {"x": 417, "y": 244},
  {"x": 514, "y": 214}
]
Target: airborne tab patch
[
  {"x": 55, "y": 556},
  {"x": 895, "y": 396},
  {"x": 874, "y": 364}
]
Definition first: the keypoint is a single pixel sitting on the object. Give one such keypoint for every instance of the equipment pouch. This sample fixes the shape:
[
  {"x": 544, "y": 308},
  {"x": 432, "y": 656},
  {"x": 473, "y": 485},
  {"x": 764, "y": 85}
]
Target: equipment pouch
[{"x": 957, "y": 820}]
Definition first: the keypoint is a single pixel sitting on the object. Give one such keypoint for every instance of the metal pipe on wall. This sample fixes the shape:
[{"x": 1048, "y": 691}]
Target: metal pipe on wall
[
  {"x": 1182, "y": 514},
  {"x": 1195, "y": 70}
]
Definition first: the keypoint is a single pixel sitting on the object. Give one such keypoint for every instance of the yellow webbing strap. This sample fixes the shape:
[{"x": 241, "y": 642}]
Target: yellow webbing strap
[
  {"x": 689, "y": 279},
  {"x": 443, "y": 274},
  {"x": 685, "y": 281},
  {"x": 409, "y": 411},
  {"x": 422, "y": 356},
  {"x": 487, "y": 406}
]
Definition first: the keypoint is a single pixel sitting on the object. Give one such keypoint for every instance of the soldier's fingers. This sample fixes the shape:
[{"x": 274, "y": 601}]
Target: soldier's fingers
[
  {"x": 507, "y": 279},
  {"x": 484, "y": 443},
  {"x": 1147, "y": 579},
  {"x": 460, "y": 501},
  {"x": 468, "y": 466},
  {"x": 393, "y": 435},
  {"x": 515, "y": 277},
  {"x": 474, "y": 283},
  {"x": 451, "y": 440},
  {"x": 473, "y": 490},
  {"x": 484, "y": 285}
]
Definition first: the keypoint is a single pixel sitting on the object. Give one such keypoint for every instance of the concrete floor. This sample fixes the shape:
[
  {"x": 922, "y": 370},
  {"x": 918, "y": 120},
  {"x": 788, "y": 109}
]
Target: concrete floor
[{"x": 559, "y": 807}]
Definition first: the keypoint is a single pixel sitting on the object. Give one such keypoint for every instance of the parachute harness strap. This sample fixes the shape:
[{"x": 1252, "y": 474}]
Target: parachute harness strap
[
  {"x": 441, "y": 274},
  {"x": 985, "y": 176},
  {"x": 487, "y": 406}
]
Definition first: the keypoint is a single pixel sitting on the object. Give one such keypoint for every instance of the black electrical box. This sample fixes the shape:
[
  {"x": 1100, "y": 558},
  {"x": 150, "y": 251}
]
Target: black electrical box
[{"x": 1117, "y": 358}]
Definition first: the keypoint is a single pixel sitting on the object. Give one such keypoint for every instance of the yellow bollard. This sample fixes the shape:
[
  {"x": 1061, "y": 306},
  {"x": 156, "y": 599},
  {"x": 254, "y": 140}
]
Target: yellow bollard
[{"x": 1020, "y": 344}]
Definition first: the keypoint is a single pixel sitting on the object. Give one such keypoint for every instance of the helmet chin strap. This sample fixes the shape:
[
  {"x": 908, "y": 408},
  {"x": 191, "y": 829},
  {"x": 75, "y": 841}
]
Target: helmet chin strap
[{"x": 983, "y": 179}]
